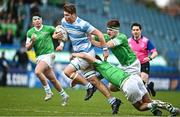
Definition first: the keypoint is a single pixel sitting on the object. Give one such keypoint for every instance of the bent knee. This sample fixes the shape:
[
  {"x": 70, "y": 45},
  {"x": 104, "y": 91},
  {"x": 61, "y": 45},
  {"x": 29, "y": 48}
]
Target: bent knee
[
  {"x": 38, "y": 72},
  {"x": 94, "y": 81}
]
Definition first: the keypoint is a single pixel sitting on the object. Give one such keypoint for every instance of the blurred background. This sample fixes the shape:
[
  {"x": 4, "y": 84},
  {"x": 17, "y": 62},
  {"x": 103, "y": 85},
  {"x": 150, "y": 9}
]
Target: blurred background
[{"x": 160, "y": 20}]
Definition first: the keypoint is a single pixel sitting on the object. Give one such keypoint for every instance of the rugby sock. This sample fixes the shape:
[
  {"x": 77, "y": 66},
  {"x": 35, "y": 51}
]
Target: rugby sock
[
  {"x": 47, "y": 89},
  {"x": 88, "y": 85},
  {"x": 149, "y": 105},
  {"x": 63, "y": 93},
  {"x": 111, "y": 100}
]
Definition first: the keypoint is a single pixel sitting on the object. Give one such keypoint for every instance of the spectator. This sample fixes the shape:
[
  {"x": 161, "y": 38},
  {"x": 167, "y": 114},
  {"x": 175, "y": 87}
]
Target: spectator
[
  {"x": 4, "y": 71},
  {"x": 21, "y": 57}
]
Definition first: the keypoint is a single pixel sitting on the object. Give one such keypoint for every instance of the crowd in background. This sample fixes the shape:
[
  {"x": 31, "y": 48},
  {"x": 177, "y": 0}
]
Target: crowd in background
[
  {"x": 15, "y": 15},
  {"x": 15, "y": 18}
]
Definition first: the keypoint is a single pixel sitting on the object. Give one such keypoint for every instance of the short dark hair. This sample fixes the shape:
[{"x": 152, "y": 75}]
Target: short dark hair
[
  {"x": 36, "y": 14},
  {"x": 70, "y": 8},
  {"x": 113, "y": 23},
  {"x": 136, "y": 24}
]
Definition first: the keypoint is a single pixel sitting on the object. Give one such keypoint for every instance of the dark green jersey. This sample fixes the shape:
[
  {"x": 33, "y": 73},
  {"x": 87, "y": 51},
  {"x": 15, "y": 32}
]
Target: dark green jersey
[
  {"x": 110, "y": 72},
  {"x": 43, "y": 42},
  {"x": 122, "y": 50}
]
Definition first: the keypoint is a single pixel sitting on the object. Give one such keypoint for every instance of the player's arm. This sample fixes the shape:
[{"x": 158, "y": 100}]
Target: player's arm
[
  {"x": 153, "y": 51},
  {"x": 30, "y": 42},
  {"x": 60, "y": 46},
  {"x": 102, "y": 41},
  {"x": 100, "y": 36},
  {"x": 110, "y": 44},
  {"x": 94, "y": 41},
  {"x": 116, "y": 41},
  {"x": 57, "y": 35},
  {"x": 154, "y": 54},
  {"x": 84, "y": 56}
]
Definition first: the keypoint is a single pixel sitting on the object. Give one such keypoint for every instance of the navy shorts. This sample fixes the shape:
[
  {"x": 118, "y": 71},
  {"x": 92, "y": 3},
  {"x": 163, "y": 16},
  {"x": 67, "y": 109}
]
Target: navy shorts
[{"x": 145, "y": 67}]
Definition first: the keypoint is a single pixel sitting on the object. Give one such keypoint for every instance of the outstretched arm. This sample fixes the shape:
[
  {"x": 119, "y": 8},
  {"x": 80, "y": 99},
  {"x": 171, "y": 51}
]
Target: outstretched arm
[
  {"x": 85, "y": 56},
  {"x": 93, "y": 41},
  {"x": 102, "y": 42}
]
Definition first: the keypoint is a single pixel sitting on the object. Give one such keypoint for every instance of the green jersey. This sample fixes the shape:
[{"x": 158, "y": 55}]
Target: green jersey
[
  {"x": 43, "y": 42},
  {"x": 122, "y": 50},
  {"x": 110, "y": 72}
]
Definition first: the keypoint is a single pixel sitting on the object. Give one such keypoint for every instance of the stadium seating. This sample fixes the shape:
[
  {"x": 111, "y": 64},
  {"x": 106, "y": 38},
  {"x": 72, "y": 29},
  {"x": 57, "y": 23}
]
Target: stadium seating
[{"x": 161, "y": 28}]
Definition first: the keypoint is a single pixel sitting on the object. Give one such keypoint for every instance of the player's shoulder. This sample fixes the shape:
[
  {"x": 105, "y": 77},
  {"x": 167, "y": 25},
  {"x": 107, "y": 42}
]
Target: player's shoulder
[
  {"x": 31, "y": 30},
  {"x": 130, "y": 39},
  {"x": 82, "y": 22},
  {"x": 145, "y": 39},
  {"x": 123, "y": 35}
]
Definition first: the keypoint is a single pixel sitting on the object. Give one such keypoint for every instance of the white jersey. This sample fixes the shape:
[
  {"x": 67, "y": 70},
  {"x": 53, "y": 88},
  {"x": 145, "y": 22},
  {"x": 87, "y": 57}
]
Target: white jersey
[{"x": 77, "y": 33}]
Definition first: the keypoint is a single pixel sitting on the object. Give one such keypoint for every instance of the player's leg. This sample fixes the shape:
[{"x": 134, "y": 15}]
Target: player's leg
[
  {"x": 113, "y": 88},
  {"x": 51, "y": 76},
  {"x": 39, "y": 71},
  {"x": 137, "y": 94},
  {"x": 90, "y": 75},
  {"x": 167, "y": 106},
  {"x": 71, "y": 72},
  {"x": 145, "y": 77},
  {"x": 114, "y": 102}
]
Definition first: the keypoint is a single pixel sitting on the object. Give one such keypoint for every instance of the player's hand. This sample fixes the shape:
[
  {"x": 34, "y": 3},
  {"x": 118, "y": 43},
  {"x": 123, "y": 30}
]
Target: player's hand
[
  {"x": 71, "y": 57},
  {"x": 57, "y": 35},
  {"x": 59, "y": 48},
  {"x": 33, "y": 38},
  {"x": 105, "y": 54},
  {"x": 146, "y": 59}
]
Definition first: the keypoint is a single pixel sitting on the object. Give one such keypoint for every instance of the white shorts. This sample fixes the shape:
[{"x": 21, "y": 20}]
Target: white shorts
[
  {"x": 85, "y": 67},
  {"x": 47, "y": 58},
  {"x": 134, "y": 88},
  {"x": 134, "y": 68}
]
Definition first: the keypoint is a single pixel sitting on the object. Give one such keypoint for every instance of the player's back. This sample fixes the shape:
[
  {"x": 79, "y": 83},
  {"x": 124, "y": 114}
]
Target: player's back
[{"x": 110, "y": 72}]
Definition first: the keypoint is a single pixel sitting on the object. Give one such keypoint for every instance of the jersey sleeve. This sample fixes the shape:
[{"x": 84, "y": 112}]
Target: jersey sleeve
[
  {"x": 119, "y": 39},
  {"x": 87, "y": 27},
  {"x": 51, "y": 29},
  {"x": 106, "y": 37},
  {"x": 28, "y": 37},
  {"x": 150, "y": 46}
]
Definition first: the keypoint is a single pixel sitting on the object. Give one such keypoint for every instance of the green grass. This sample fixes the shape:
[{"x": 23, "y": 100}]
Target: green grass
[{"x": 29, "y": 102}]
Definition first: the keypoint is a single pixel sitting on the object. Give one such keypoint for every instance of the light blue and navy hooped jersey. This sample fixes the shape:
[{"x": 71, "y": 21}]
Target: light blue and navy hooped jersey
[{"x": 77, "y": 33}]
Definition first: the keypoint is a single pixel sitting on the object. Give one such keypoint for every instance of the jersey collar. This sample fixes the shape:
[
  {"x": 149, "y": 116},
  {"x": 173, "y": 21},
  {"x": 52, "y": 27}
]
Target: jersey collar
[{"x": 39, "y": 28}]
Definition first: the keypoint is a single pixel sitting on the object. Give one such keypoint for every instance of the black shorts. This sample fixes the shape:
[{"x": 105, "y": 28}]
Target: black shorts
[{"x": 145, "y": 67}]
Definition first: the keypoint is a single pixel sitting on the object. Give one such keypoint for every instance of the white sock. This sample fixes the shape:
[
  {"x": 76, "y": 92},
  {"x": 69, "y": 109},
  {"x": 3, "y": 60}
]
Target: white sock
[
  {"x": 88, "y": 85},
  {"x": 63, "y": 93},
  {"x": 149, "y": 105},
  {"x": 111, "y": 100},
  {"x": 47, "y": 89}
]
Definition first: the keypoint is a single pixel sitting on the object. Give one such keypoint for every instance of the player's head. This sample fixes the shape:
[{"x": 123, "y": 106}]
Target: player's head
[
  {"x": 136, "y": 30},
  {"x": 70, "y": 12},
  {"x": 113, "y": 27},
  {"x": 37, "y": 20}
]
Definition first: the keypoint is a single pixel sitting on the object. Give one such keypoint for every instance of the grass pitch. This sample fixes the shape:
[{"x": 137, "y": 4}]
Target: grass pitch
[{"x": 29, "y": 102}]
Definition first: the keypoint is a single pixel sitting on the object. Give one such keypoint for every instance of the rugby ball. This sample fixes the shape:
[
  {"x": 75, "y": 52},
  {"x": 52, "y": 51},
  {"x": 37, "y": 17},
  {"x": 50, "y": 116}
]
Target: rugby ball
[{"x": 60, "y": 28}]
